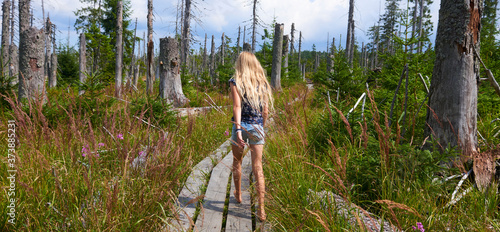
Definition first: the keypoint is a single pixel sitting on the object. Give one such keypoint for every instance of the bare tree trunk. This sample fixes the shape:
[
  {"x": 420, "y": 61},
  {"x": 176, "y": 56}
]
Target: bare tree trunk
[
  {"x": 300, "y": 47},
  {"x": 244, "y": 34},
  {"x": 238, "y": 41},
  {"x": 48, "y": 55},
  {"x": 285, "y": 53},
  {"x": 212, "y": 61},
  {"x": 331, "y": 57},
  {"x": 5, "y": 38},
  {"x": 247, "y": 47},
  {"x": 292, "y": 41},
  {"x": 222, "y": 50},
  {"x": 119, "y": 49},
  {"x": 83, "y": 61},
  {"x": 149, "y": 64},
  {"x": 13, "y": 55},
  {"x": 130, "y": 75},
  {"x": 31, "y": 57},
  {"x": 277, "y": 54},
  {"x": 254, "y": 24},
  {"x": 185, "y": 33},
  {"x": 420, "y": 19},
  {"x": 170, "y": 76},
  {"x": 205, "y": 54},
  {"x": 53, "y": 70},
  {"x": 350, "y": 27},
  {"x": 413, "y": 25},
  {"x": 316, "y": 62},
  {"x": 452, "y": 113}
]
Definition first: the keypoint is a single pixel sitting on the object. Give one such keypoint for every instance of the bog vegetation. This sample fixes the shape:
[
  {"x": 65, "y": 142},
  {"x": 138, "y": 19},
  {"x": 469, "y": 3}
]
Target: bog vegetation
[{"x": 97, "y": 162}]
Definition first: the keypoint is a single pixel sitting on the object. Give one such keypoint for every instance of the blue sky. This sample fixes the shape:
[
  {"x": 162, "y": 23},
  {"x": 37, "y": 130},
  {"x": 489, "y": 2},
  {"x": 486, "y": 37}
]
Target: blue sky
[{"x": 317, "y": 19}]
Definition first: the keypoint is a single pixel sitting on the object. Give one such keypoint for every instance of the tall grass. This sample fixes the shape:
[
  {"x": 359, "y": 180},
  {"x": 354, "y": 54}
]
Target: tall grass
[
  {"x": 119, "y": 171},
  {"x": 366, "y": 162}
]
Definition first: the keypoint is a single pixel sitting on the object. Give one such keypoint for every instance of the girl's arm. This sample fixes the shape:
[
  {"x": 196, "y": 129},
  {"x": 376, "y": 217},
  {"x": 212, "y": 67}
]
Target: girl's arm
[{"x": 237, "y": 114}]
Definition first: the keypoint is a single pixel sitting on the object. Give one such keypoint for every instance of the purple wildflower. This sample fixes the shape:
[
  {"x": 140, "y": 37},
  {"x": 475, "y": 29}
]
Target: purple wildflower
[
  {"x": 85, "y": 149},
  {"x": 420, "y": 227},
  {"x": 414, "y": 228},
  {"x": 226, "y": 132},
  {"x": 142, "y": 154},
  {"x": 100, "y": 145},
  {"x": 120, "y": 136}
]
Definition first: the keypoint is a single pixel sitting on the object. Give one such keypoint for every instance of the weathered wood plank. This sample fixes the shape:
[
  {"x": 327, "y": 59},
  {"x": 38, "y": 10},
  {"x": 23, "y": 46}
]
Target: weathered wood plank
[
  {"x": 239, "y": 216},
  {"x": 210, "y": 217},
  {"x": 193, "y": 185}
]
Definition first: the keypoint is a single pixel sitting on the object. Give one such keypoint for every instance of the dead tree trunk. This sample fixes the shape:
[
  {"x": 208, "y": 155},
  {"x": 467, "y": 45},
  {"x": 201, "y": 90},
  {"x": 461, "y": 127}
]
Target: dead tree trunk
[
  {"x": 316, "y": 62},
  {"x": 222, "y": 50},
  {"x": 13, "y": 54},
  {"x": 247, "y": 47},
  {"x": 292, "y": 40},
  {"x": 149, "y": 64},
  {"x": 413, "y": 25},
  {"x": 205, "y": 54},
  {"x": 185, "y": 33},
  {"x": 83, "y": 61},
  {"x": 350, "y": 27},
  {"x": 5, "y": 38},
  {"x": 300, "y": 47},
  {"x": 452, "y": 113},
  {"x": 31, "y": 57},
  {"x": 238, "y": 41},
  {"x": 254, "y": 24},
  {"x": 130, "y": 75},
  {"x": 244, "y": 34},
  {"x": 119, "y": 49},
  {"x": 420, "y": 19},
  {"x": 49, "y": 60},
  {"x": 170, "y": 76},
  {"x": 212, "y": 61},
  {"x": 285, "y": 53},
  {"x": 53, "y": 70},
  {"x": 277, "y": 54}
]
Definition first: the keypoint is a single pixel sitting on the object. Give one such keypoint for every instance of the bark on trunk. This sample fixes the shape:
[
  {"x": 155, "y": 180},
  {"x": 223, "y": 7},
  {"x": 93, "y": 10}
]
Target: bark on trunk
[
  {"x": 212, "y": 61},
  {"x": 31, "y": 57},
  {"x": 185, "y": 33},
  {"x": 331, "y": 57},
  {"x": 205, "y": 54},
  {"x": 452, "y": 113},
  {"x": 292, "y": 40},
  {"x": 277, "y": 54},
  {"x": 131, "y": 70},
  {"x": 350, "y": 27},
  {"x": 300, "y": 47},
  {"x": 420, "y": 19},
  {"x": 222, "y": 50},
  {"x": 254, "y": 24},
  {"x": 238, "y": 41},
  {"x": 4, "y": 70},
  {"x": 149, "y": 64},
  {"x": 119, "y": 50},
  {"x": 285, "y": 53},
  {"x": 170, "y": 76},
  {"x": 83, "y": 61},
  {"x": 14, "y": 63},
  {"x": 247, "y": 47},
  {"x": 53, "y": 70}
]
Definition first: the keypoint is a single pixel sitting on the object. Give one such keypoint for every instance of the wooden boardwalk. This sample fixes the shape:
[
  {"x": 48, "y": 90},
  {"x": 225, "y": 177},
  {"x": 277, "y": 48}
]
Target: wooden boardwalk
[{"x": 216, "y": 209}]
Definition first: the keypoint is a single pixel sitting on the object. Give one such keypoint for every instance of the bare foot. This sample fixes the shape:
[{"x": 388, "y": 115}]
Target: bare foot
[{"x": 237, "y": 196}]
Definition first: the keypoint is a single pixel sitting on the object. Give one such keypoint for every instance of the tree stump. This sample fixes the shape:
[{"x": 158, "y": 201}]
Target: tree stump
[
  {"x": 31, "y": 65},
  {"x": 170, "y": 76}
]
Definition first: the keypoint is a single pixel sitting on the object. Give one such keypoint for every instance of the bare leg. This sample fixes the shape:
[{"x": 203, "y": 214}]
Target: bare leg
[
  {"x": 237, "y": 157},
  {"x": 259, "y": 176}
]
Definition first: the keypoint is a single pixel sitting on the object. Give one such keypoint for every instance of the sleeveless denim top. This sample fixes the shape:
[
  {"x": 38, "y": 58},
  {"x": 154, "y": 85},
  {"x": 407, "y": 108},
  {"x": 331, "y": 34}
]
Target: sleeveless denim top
[{"x": 249, "y": 114}]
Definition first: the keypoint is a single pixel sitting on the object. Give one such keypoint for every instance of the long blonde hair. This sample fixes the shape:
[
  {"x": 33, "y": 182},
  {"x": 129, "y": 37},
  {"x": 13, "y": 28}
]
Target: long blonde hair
[{"x": 251, "y": 81}]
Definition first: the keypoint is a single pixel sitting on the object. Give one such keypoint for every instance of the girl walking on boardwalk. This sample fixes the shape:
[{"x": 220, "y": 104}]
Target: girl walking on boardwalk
[{"x": 252, "y": 100}]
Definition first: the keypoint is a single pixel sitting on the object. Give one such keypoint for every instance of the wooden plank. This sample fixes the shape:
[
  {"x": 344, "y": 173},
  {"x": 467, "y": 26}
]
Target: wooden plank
[
  {"x": 192, "y": 187},
  {"x": 239, "y": 216},
  {"x": 210, "y": 217}
]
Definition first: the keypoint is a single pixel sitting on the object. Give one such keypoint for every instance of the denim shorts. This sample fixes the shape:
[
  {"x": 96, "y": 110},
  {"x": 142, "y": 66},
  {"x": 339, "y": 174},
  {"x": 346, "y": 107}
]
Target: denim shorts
[{"x": 254, "y": 133}]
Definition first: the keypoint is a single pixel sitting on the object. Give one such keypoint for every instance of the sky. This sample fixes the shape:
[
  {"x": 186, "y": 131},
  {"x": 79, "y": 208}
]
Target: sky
[{"x": 318, "y": 20}]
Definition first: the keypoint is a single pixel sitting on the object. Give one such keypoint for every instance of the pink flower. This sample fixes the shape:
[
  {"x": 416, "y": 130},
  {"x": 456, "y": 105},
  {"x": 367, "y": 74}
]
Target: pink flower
[
  {"x": 100, "y": 145},
  {"x": 85, "y": 149},
  {"x": 226, "y": 132},
  {"x": 120, "y": 136},
  {"x": 141, "y": 153}
]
